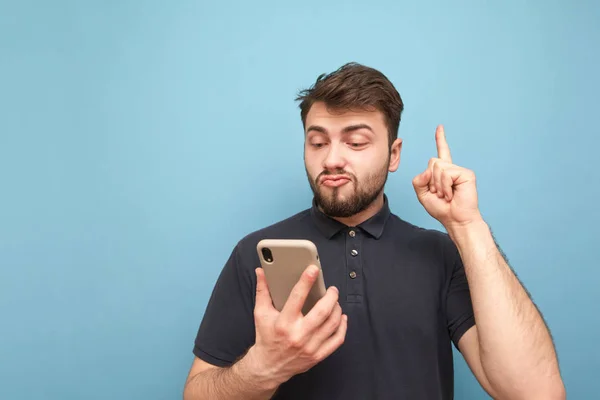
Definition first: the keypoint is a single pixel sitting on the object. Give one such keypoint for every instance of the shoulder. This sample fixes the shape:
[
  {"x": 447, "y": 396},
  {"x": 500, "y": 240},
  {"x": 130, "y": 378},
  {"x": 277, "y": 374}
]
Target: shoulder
[
  {"x": 243, "y": 259},
  {"x": 423, "y": 240},
  {"x": 290, "y": 228}
]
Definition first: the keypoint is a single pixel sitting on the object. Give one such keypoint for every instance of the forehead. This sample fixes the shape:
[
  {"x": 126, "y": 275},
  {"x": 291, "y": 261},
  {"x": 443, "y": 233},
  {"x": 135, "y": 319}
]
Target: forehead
[{"x": 335, "y": 120}]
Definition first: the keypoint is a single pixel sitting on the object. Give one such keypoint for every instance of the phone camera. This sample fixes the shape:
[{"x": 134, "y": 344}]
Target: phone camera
[{"x": 267, "y": 255}]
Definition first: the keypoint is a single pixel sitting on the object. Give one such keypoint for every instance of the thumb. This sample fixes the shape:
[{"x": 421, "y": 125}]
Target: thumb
[
  {"x": 421, "y": 182},
  {"x": 263, "y": 296}
]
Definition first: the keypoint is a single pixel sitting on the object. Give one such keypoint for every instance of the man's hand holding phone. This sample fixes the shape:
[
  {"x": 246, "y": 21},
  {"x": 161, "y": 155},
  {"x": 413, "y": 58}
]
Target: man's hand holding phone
[{"x": 288, "y": 342}]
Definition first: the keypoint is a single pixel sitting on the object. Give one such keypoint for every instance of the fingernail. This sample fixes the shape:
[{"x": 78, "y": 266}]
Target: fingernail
[{"x": 313, "y": 270}]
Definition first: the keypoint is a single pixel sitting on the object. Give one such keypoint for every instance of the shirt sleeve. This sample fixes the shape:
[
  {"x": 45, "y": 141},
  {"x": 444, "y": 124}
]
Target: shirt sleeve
[
  {"x": 227, "y": 328},
  {"x": 459, "y": 309}
]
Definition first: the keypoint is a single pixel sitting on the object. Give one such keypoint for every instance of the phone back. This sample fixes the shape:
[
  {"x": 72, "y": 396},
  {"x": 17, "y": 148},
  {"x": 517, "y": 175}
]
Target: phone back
[{"x": 284, "y": 261}]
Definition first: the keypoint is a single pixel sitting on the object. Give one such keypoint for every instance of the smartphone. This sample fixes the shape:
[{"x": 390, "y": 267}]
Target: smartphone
[{"x": 284, "y": 261}]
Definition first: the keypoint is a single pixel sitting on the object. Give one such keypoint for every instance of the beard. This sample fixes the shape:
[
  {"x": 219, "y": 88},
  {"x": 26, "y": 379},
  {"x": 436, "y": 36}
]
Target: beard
[{"x": 362, "y": 194}]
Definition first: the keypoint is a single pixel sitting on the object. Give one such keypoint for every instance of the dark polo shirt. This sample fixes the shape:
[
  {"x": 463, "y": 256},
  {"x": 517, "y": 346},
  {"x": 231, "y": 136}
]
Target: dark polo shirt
[{"x": 403, "y": 288}]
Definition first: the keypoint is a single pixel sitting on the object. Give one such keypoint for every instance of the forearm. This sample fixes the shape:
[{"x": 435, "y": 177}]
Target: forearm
[
  {"x": 516, "y": 349},
  {"x": 236, "y": 382}
]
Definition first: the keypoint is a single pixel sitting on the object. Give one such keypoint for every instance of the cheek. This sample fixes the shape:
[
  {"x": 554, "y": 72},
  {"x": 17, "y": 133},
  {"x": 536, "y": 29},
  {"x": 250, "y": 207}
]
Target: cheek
[
  {"x": 368, "y": 166},
  {"x": 311, "y": 164}
]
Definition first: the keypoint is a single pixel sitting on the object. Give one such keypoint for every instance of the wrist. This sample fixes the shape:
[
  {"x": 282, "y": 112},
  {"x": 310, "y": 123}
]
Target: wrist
[
  {"x": 465, "y": 233},
  {"x": 250, "y": 369}
]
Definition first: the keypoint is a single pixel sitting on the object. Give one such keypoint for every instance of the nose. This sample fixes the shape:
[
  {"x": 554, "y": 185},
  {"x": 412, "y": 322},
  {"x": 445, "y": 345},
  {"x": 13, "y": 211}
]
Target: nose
[{"x": 335, "y": 158}]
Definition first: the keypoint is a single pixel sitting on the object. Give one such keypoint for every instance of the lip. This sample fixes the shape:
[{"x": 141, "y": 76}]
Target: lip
[{"x": 334, "y": 180}]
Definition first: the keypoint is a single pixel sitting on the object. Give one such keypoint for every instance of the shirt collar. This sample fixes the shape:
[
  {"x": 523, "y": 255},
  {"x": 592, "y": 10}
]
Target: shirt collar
[{"x": 329, "y": 226}]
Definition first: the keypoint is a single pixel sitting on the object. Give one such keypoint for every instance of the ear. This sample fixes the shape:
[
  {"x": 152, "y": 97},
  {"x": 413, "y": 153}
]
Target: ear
[{"x": 396, "y": 148}]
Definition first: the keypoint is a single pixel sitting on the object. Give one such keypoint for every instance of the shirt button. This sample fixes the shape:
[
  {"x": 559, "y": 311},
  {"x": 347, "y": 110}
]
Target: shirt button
[
  {"x": 352, "y": 233},
  {"x": 354, "y": 253},
  {"x": 352, "y": 274}
]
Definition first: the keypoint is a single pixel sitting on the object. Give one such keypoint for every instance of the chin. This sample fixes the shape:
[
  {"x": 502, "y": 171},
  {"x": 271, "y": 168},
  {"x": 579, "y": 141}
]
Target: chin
[{"x": 335, "y": 194}]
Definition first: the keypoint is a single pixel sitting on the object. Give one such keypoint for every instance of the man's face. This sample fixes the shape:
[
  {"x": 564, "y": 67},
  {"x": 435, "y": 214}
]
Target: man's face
[{"x": 347, "y": 158}]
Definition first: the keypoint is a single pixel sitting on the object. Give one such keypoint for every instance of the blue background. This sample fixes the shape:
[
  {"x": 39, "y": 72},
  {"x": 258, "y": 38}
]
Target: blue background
[{"x": 140, "y": 140}]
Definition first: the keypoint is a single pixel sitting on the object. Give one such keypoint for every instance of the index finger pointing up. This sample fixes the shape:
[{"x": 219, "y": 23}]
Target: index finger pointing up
[{"x": 442, "y": 146}]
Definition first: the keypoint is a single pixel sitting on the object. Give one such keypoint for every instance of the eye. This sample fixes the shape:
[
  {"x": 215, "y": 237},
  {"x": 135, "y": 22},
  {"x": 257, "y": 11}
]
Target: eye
[
  {"x": 317, "y": 145},
  {"x": 356, "y": 145}
]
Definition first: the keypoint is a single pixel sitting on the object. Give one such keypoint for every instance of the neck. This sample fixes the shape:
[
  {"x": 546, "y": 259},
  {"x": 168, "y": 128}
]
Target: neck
[{"x": 365, "y": 214}]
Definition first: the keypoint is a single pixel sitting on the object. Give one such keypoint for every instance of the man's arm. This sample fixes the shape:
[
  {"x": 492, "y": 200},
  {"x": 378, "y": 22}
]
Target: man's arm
[
  {"x": 510, "y": 349},
  {"x": 516, "y": 352},
  {"x": 206, "y": 381},
  {"x": 287, "y": 343}
]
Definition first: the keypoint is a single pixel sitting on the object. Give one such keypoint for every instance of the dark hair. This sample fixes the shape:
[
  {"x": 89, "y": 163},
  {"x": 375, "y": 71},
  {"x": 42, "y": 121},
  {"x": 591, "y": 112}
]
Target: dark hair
[{"x": 355, "y": 87}]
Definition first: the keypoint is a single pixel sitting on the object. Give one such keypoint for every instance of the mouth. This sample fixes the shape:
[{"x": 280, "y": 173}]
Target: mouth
[{"x": 334, "y": 180}]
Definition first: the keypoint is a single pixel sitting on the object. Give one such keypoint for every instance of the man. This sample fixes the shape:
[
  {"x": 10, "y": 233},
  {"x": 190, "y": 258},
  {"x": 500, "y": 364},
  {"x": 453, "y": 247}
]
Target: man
[{"x": 399, "y": 296}]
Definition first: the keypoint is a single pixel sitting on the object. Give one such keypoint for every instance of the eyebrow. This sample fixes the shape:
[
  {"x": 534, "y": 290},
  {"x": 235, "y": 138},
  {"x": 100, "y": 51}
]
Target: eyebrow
[{"x": 348, "y": 129}]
